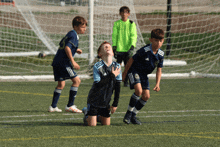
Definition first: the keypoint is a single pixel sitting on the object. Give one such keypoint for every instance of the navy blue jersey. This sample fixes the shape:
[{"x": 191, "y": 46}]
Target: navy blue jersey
[
  {"x": 145, "y": 61},
  {"x": 71, "y": 40},
  {"x": 104, "y": 84}
]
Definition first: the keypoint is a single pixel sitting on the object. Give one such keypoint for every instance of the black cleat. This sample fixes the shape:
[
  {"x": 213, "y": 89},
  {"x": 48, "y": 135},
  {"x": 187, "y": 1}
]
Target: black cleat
[
  {"x": 126, "y": 85},
  {"x": 134, "y": 120},
  {"x": 127, "y": 118}
]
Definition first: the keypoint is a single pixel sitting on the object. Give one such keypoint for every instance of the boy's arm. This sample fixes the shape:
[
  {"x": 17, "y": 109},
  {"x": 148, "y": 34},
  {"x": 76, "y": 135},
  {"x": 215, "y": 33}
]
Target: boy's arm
[
  {"x": 133, "y": 34},
  {"x": 69, "y": 55},
  {"x": 158, "y": 78},
  {"x": 127, "y": 67},
  {"x": 114, "y": 35}
]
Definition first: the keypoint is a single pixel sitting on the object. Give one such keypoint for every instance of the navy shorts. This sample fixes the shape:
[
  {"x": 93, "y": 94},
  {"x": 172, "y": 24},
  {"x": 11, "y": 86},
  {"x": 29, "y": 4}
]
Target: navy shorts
[
  {"x": 94, "y": 111},
  {"x": 62, "y": 73},
  {"x": 135, "y": 78}
]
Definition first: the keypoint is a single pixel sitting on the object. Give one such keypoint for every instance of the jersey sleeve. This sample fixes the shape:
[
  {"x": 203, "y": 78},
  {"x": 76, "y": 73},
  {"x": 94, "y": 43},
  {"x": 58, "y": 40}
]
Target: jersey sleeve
[
  {"x": 161, "y": 57},
  {"x": 139, "y": 54},
  {"x": 96, "y": 74},
  {"x": 119, "y": 77},
  {"x": 133, "y": 34},
  {"x": 71, "y": 40},
  {"x": 114, "y": 35}
]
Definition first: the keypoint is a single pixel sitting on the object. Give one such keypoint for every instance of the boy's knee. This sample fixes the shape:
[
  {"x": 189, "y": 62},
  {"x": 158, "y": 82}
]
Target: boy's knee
[
  {"x": 76, "y": 81},
  {"x": 138, "y": 92},
  {"x": 145, "y": 98}
]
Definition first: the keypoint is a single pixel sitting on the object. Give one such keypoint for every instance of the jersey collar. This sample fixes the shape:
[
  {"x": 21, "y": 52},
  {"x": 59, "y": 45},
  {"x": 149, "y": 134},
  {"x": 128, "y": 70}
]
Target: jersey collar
[
  {"x": 125, "y": 21},
  {"x": 106, "y": 64},
  {"x": 76, "y": 34},
  {"x": 152, "y": 50}
]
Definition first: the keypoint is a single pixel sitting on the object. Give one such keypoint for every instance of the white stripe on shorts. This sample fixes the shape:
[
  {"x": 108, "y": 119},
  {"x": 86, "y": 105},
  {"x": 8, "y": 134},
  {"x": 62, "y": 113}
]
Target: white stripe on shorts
[
  {"x": 131, "y": 78},
  {"x": 70, "y": 71}
]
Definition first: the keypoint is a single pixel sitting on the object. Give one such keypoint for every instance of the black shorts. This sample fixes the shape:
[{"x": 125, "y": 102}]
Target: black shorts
[
  {"x": 93, "y": 111},
  {"x": 135, "y": 78},
  {"x": 62, "y": 73},
  {"x": 123, "y": 56}
]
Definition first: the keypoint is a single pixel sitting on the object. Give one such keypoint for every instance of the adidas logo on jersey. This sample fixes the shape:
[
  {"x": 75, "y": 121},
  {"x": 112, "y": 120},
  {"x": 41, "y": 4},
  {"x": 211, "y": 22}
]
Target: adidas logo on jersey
[{"x": 147, "y": 59}]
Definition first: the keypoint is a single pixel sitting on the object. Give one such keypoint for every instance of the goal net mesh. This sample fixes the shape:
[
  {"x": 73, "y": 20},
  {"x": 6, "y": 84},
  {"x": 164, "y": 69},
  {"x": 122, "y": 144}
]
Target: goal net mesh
[{"x": 37, "y": 26}]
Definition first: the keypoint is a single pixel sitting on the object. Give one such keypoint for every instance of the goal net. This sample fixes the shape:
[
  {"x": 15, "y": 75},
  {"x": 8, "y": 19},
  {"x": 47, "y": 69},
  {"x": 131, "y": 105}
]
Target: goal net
[{"x": 30, "y": 27}]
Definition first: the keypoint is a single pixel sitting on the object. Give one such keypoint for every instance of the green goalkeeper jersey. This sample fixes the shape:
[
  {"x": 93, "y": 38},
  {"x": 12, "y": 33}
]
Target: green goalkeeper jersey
[{"x": 124, "y": 35}]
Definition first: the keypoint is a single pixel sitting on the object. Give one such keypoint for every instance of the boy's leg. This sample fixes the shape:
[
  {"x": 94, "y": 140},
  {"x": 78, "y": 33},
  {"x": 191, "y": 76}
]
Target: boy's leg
[
  {"x": 133, "y": 100},
  {"x": 92, "y": 113},
  {"x": 139, "y": 105},
  {"x": 72, "y": 94},
  {"x": 105, "y": 116},
  {"x": 92, "y": 120},
  {"x": 105, "y": 120},
  {"x": 126, "y": 57},
  {"x": 56, "y": 96}
]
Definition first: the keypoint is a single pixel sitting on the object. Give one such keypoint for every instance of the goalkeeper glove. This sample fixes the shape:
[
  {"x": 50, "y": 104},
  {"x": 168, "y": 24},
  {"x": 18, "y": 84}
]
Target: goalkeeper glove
[
  {"x": 130, "y": 51},
  {"x": 115, "y": 52}
]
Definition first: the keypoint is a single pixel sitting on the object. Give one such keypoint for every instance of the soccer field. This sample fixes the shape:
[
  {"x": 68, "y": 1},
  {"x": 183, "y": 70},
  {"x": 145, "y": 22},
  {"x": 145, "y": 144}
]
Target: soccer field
[{"x": 184, "y": 113}]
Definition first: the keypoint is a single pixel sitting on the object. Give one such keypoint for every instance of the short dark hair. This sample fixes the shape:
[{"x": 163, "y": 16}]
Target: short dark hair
[
  {"x": 78, "y": 20},
  {"x": 123, "y": 8},
  {"x": 99, "y": 49},
  {"x": 157, "y": 34}
]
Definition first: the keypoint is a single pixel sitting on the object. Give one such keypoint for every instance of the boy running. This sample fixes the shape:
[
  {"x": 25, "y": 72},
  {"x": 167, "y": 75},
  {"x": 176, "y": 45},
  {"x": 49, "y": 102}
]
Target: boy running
[{"x": 138, "y": 67}]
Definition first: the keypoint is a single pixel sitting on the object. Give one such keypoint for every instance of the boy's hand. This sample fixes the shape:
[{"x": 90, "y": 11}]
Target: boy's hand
[
  {"x": 79, "y": 51},
  {"x": 116, "y": 72},
  {"x": 156, "y": 88},
  {"x": 76, "y": 66},
  {"x": 112, "y": 109}
]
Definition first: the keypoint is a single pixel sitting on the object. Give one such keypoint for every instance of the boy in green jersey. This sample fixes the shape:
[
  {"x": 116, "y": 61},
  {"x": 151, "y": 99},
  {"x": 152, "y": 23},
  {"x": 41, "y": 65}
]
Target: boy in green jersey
[{"x": 124, "y": 38}]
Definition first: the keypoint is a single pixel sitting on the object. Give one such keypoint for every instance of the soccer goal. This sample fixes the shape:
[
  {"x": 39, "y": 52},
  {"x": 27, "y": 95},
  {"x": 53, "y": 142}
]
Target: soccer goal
[{"x": 31, "y": 31}]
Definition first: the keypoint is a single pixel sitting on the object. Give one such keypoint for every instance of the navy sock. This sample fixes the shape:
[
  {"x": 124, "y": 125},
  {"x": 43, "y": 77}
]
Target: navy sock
[
  {"x": 72, "y": 95},
  {"x": 56, "y": 96},
  {"x": 139, "y": 105},
  {"x": 132, "y": 103}
]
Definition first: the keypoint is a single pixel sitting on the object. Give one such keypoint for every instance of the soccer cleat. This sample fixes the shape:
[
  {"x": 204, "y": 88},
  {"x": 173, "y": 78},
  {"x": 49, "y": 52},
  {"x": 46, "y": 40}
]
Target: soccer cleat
[
  {"x": 127, "y": 118},
  {"x": 84, "y": 110},
  {"x": 134, "y": 120},
  {"x": 73, "y": 109},
  {"x": 126, "y": 84},
  {"x": 56, "y": 109}
]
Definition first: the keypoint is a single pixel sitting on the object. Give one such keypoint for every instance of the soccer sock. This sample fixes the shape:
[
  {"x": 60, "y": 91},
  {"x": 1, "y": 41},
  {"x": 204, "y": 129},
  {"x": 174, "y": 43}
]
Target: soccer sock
[
  {"x": 139, "y": 105},
  {"x": 132, "y": 103},
  {"x": 72, "y": 95},
  {"x": 56, "y": 96}
]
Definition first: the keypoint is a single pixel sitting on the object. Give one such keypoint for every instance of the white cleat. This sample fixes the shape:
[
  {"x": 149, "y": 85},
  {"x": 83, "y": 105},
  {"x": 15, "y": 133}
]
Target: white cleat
[
  {"x": 51, "y": 109},
  {"x": 73, "y": 109}
]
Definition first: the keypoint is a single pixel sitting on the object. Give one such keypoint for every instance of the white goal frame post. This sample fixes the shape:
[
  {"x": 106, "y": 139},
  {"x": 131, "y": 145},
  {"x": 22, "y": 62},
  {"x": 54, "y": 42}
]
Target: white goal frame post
[{"x": 151, "y": 10}]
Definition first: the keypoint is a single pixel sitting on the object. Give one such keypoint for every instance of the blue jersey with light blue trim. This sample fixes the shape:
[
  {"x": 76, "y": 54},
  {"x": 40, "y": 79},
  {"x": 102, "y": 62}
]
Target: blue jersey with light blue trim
[
  {"x": 103, "y": 85},
  {"x": 145, "y": 61},
  {"x": 71, "y": 40}
]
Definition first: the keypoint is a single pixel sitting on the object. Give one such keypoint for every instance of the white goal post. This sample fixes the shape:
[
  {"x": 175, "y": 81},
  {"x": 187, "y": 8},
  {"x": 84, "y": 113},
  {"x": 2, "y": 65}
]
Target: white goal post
[{"x": 36, "y": 26}]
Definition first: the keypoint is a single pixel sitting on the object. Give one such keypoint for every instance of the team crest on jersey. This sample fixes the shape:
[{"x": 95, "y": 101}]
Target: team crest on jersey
[
  {"x": 156, "y": 63},
  {"x": 136, "y": 76}
]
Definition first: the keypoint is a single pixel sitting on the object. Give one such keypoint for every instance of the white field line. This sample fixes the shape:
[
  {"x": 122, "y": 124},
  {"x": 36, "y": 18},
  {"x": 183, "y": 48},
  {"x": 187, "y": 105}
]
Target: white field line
[
  {"x": 147, "y": 116},
  {"x": 169, "y": 111},
  {"x": 157, "y": 116}
]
